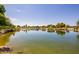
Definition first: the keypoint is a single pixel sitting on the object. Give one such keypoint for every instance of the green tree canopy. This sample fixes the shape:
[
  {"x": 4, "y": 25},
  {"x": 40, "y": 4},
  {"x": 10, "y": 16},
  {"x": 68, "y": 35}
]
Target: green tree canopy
[
  {"x": 60, "y": 25},
  {"x": 4, "y": 21},
  {"x": 2, "y": 9}
]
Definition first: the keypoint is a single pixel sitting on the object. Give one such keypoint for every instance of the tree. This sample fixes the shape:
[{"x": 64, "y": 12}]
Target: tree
[
  {"x": 53, "y": 26},
  {"x": 49, "y": 25},
  {"x": 4, "y": 21},
  {"x": 2, "y": 9},
  {"x": 60, "y": 25},
  {"x": 18, "y": 26},
  {"x": 8, "y": 22}
]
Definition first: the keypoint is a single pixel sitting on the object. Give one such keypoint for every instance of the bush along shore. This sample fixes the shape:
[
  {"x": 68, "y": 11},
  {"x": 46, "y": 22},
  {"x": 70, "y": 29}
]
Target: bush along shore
[{"x": 3, "y": 31}]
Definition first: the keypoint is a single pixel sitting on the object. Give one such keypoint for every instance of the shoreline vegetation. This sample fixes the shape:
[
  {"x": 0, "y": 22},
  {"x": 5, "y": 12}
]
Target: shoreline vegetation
[
  {"x": 6, "y": 25},
  {"x": 52, "y": 28}
]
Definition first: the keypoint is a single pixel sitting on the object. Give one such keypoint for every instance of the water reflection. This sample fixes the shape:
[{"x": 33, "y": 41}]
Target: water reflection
[
  {"x": 77, "y": 43},
  {"x": 5, "y": 49},
  {"x": 4, "y": 38},
  {"x": 25, "y": 30},
  {"x": 61, "y": 33},
  {"x": 23, "y": 42},
  {"x": 77, "y": 36}
]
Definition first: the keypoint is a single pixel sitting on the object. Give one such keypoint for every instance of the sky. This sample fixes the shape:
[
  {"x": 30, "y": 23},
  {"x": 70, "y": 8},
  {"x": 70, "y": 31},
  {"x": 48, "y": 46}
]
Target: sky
[{"x": 42, "y": 14}]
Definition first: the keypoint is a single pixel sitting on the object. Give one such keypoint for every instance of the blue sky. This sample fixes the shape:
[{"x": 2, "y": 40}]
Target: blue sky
[{"x": 42, "y": 14}]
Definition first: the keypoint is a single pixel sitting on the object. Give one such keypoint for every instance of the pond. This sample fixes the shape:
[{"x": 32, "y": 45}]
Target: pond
[{"x": 40, "y": 42}]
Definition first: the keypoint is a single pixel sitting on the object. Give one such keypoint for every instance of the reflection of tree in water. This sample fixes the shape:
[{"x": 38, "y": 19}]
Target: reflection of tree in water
[
  {"x": 61, "y": 33},
  {"x": 77, "y": 42},
  {"x": 77, "y": 36},
  {"x": 25, "y": 30},
  {"x": 4, "y": 38}
]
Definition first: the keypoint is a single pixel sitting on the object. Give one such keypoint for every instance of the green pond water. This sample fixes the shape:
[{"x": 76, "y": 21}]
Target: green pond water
[{"x": 41, "y": 42}]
